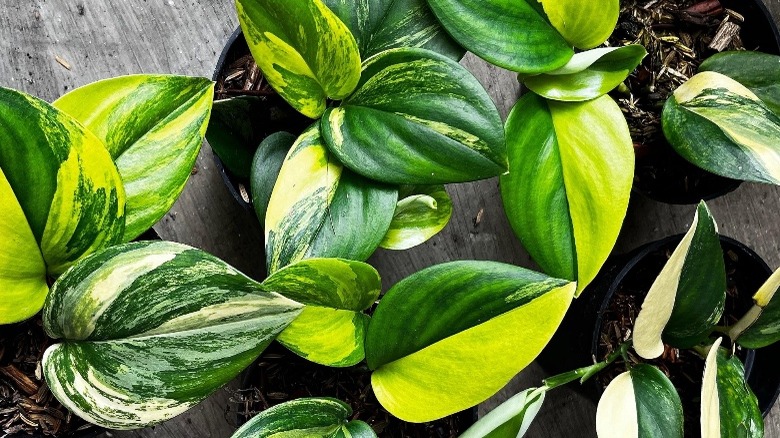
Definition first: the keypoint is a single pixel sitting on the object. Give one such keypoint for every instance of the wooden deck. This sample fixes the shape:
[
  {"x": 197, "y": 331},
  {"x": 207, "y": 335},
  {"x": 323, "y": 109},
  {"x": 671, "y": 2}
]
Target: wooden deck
[{"x": 100, "y": 39}]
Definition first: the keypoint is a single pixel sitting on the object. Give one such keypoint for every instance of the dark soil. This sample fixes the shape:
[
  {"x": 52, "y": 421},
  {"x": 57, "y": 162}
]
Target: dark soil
[
  {"x": 280, "y": 375},
  {"x": 683, "y": 367},
  {"x": 678, "y": 35}
]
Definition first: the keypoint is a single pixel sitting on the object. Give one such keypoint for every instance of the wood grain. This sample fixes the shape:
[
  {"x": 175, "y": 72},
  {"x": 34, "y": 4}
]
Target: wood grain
[{"x": 115, "y": 37}]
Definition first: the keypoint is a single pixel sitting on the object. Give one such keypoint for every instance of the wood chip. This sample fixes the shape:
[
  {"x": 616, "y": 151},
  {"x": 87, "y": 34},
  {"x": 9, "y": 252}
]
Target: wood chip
[
  {"x": 20, "y": 379},
  {"x": 726, "y": 33},
  {"x": 62, "y": 62}
]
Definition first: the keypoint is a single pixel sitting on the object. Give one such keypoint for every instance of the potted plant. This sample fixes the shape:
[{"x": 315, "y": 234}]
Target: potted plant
[
  {"x": 692, "y": 336},
  {"x": 98, "y": 167}
]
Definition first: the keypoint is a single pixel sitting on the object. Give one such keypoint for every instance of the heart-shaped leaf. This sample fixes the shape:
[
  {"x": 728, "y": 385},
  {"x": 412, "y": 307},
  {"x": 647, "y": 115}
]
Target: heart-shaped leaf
[
  {"x": 150, "y": 329},
  {"x": 686, "y": 299},
  {"x": 589, "y": 74},
  {"x": 757, "y": 71},
  {"x": 421, "y": 212},
  {"x": 642, "y": 403},
  {"x": 380, "y": 25},
  {"x": 320, "y": 209},
  {"x": 305, "y": 51},
  {"x": 512, "y": 34},
  {"x": 719, "y": 125},
  {"x": 469, "y": 319},
  {"x": 153, "y": 126},
  {"x": 62, "y": 198},
  {"x": 306, "y": 417},
  {"x": 434, "y": 121},
  {"x": 584, "y": 24},
  {"x": 571, "y": 171},
  {"x": 510, "y": 419},
  {"x": 332, "y": 328},
  {"x": 728, "y": 406},
  {"x": 266, "y": 165}
]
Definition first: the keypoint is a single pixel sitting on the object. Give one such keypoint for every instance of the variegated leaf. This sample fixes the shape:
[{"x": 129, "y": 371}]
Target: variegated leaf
[
  {"x": 434, "y": 121},
  {"x": 686, "y": 300},
  {"x": 760, "y": 327},
  {"x": 469, "y": 319},
  {"x": 757, "y": 71},
  {"x": 728, "y": 406},
  {"x": 150, "y": 329},
  {"x": 510, "y": 419},
  {"x": 571, "y": 171},
  {"x": 640, "y": 403},
  {"x": 512, "y": 34},
  {"x": 266, "y": 165},
  {"x": 305, "y": 51},
  {"x": 719, "y": 125},
  {"x": 61, "y": 195},
  {"x": 305, "y": 418},
  {"x": 320, "y": 209},
  {"x": 153, "y": 126},
  {"x": 588, "y": 74},
  {"x": 584, "y": 24},
  {"x": 331, "y": 330},
  {"x": 421, "y": 212},
  {"x": 380, "y": 25}
]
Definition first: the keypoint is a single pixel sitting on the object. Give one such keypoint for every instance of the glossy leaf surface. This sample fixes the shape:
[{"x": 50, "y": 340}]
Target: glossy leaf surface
[
  {"x": 584, "y": 24},
  {"x": 153, "y": 126},
  {"x": 421, "y": 212},
  {"x": 589, "y": 74},
  {"x": 757, "y": 71},
  {"x": 305, "y": 51},
  {"x": 571, "y": 171},
  {"x": 511, "y": 418},
  {"x": 417, "y": 117},
  {"x": 266, "y": 165},
  {"x": 721, "y": 126},
  {"x": 476, "y": 325},
  {"x": 150, "y": 329},
  {"x": 512, "y": 34}
]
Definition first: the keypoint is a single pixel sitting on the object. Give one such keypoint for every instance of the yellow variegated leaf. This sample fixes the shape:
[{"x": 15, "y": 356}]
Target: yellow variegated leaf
[{"x": 584, "y": 24}]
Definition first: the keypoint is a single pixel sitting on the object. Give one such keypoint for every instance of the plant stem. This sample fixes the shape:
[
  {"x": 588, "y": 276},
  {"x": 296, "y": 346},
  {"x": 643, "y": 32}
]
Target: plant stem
[{"x": 585, "y": 373}]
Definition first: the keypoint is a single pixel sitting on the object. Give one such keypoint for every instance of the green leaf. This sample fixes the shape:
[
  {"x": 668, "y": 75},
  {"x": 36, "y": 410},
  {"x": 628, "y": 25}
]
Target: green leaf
[
  {"x": 686, "y": 300},
  {"x": 266, "y": 165},
  {"x": 760, "y": 327},
  {"x": 721, "y": 126},
  {"x": 320, "y": 209},
  {"x": 380, "y": 25},
  {"x": 62, "y": 178},
  {"x": 469, "y": 319},
  {"x": 331, "y": 330},
  {"x": 571, "y": 171},
  {"x": 589, "y": 74},
  {"x": 757, "y": 71},
  {"x": 421, "y": 212},
  {"x": 150, "y": 329},
  {"x": 153, "y": 126},
  {"x": 305, "y": 51},
  {"x": 584, "y": 24},
  {"x": 508, "y": 33},
  {"x": 435, "y": 121},
  {"x": 641, "y": 402},
  {"x": 510, "y": 419},
  {"x": 305, "y": 417},
  {"x": 728, "y": 406}
]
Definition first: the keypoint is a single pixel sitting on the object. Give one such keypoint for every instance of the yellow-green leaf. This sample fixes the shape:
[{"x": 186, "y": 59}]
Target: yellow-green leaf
[
  {"x": 584, "y": 24},
  {"x": 421, "y": 212}
]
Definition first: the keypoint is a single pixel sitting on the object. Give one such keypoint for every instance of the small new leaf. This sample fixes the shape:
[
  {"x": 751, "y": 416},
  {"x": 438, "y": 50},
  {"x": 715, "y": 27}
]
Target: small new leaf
[{"x": 421, "y": 212}]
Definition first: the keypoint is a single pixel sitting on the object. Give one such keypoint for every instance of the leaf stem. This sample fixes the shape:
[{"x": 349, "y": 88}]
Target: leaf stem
[{"x": 585, "y": 373}]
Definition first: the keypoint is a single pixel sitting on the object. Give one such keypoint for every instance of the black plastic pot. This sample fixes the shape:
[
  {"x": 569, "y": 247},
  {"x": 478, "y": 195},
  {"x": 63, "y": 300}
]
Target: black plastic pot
[
  {"x": 239, "y": 187},
  {"x": 760, "y": 34},
  {"x": 576, "y": 343}
]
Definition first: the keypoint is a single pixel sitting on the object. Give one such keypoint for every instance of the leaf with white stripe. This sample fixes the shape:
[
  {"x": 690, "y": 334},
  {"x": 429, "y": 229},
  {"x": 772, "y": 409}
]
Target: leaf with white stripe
[
  {"x": 567, "y": 191},
  {"x": 687, "y": 298},
  {"x": 421, "y": 212},
  {"x": 331, "y": 329},
  {"x": 584, "y": 24},
  {"x": 306, "y": 53},
  {"x": 468, "y": 319},
  {"x": 150, "y": 329},
  {"x": 153, "y": 126},
  {"x": 434, "y": 121},
  {"x": 640, "y": 403},
  {"x": 588, "y": 74},
  {"x": 510, "y": 419},
  {"x": 728, "y": 406},
  {"x": 760, "y": 72},
  {"x": 380, "y": 25},
  {"x": 319, "y": 209},
  {"x": 721, "y": 126},
  {"x": 305, "y": 417},
  {"x": 760, "y": 326}
]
